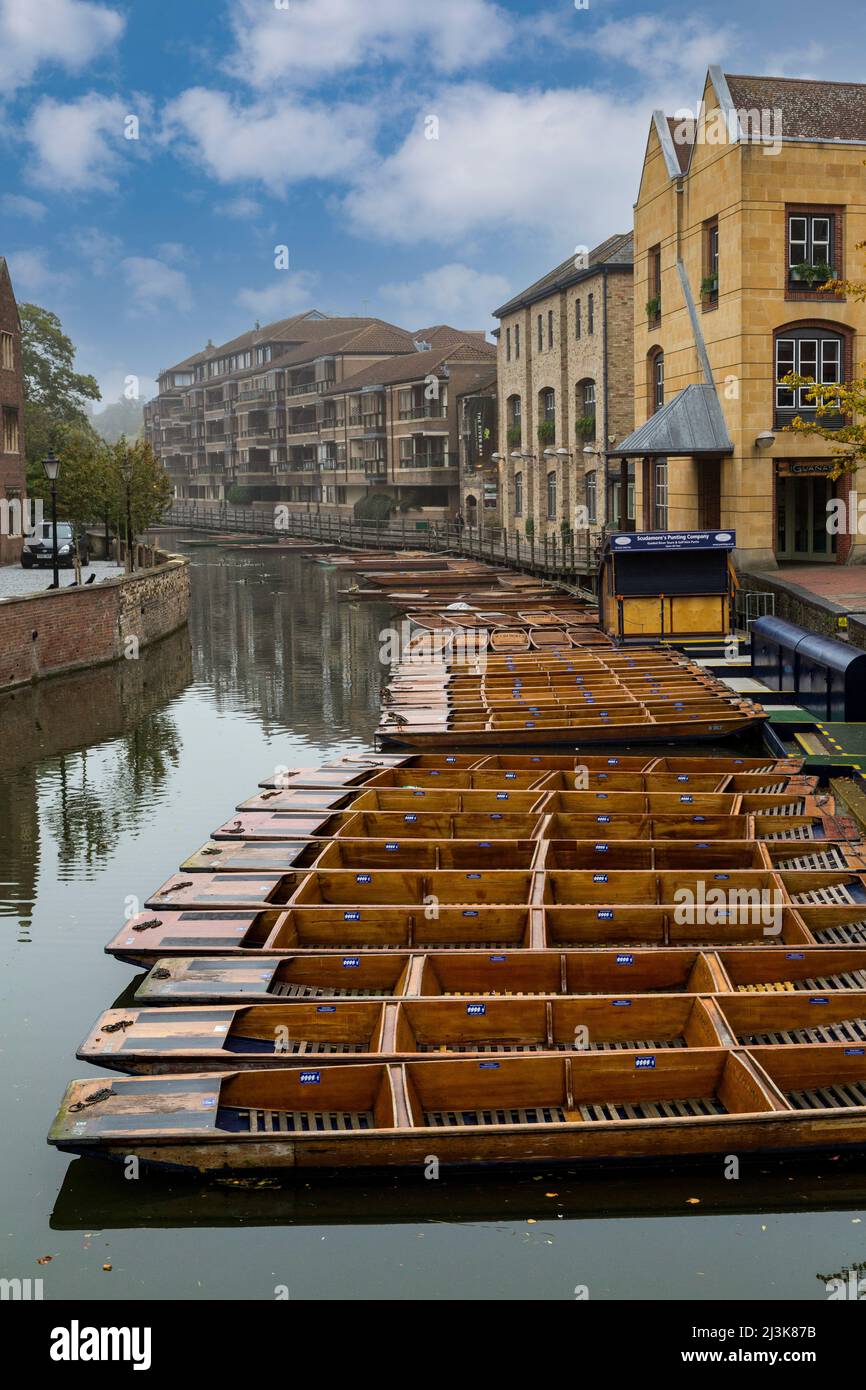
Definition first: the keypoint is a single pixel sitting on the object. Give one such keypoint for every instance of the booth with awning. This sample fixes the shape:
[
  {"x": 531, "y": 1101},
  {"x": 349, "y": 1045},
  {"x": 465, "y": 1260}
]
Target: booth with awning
[{"x": 666, "y": 585}]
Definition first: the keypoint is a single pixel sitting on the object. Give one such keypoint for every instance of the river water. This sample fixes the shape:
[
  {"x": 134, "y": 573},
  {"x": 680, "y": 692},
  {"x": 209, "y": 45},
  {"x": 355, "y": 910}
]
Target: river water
[{"x": 107, "y": 781}]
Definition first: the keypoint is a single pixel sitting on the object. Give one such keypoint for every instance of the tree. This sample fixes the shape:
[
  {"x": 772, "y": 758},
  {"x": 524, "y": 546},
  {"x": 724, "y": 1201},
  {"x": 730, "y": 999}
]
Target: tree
[
  {"x": 848, "y": 440},
  {"x": 150, "y": 488},
  {"x": 122, "y": 417},
  {"x": 84, "y": 487},
  {"x": 55, "y": 394}
]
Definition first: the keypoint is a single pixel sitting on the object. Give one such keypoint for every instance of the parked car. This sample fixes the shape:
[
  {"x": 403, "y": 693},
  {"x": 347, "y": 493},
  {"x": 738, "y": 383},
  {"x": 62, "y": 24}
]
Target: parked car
[{"x": 38, "y": 548}]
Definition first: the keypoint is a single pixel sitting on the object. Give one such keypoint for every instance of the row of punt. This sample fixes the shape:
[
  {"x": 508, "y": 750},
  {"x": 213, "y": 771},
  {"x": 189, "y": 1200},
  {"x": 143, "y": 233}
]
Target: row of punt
[
  {"x": 580, "y": 694},
  {"x": 512, "y": 958}
]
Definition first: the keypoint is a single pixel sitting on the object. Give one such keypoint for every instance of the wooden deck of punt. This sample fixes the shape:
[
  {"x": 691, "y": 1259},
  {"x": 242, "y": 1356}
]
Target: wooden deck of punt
[
  {"x": 505, "y": 974},
  {"x": 582, "y": 777},
  {"x": 674, "y": 1102},
  {"x": 157, "y": 1041},
  {"x": 556, "y": 762}
]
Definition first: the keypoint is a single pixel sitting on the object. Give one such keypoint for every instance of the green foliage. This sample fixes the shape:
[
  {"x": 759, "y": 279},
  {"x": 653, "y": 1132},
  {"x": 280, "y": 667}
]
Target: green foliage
[
  {"x": 813, "y": 275},
  {"x": 709, "y": 285},
  {"x": 90, "y": 485},
  {"x": 547, "y": 432},
  {"x": 123, "y": 417},
  {"x": 514, "y": 434},
  {"x": 584, "y": 427},
  {"x": 238, "y": 495},
  {"x": 653, "y": 307},
  {"x": 529, "y": 527},
  {"x": 376, "y": 506},
  {"x": 55, "y": 394}
]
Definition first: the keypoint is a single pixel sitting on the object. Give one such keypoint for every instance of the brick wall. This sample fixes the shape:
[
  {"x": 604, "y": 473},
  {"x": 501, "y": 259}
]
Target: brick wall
[
  {"x": 43, "y": 634},
  {"x": 12, "y": 471}
]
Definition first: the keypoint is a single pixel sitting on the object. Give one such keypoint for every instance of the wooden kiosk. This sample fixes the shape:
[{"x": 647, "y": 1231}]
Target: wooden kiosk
[{"x": 666, "y": 585}]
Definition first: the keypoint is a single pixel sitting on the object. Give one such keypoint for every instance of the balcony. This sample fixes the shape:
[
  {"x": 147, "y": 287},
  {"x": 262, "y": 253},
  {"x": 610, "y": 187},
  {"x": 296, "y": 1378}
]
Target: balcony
[
  {"x": 430, "y": 410},
  {"x": 257, "y": 394}
]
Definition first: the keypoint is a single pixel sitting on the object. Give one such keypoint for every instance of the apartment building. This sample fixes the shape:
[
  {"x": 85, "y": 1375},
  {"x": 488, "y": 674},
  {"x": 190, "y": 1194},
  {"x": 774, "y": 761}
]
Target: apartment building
[
  {"x": 13, "y": 475},
  {"x": 270, "y": 416},
  {"x": 389, "y": 437},
  {"x": 744, "y": 211},
  {"x": 565, "y": 387}
]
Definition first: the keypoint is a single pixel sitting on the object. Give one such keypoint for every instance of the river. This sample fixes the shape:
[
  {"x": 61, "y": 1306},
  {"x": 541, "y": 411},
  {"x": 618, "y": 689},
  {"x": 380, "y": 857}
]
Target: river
[{"x": 107, "y": 781}]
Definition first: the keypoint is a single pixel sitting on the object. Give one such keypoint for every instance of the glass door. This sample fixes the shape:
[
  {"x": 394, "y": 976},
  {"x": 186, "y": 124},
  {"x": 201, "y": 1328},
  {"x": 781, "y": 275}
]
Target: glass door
[{"x": 801, "y": 519}]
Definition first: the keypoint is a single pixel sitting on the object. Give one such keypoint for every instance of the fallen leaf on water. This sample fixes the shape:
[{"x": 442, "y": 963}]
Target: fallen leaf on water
[
  {"x": 106, "y": 1267},
  {"x": 693, "y": 1201},
  {"x": 45, "y": 1259}
]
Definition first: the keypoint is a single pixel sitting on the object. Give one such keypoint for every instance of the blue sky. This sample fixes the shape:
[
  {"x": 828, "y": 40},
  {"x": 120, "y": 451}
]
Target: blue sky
[{"x": 307, "y": 123}]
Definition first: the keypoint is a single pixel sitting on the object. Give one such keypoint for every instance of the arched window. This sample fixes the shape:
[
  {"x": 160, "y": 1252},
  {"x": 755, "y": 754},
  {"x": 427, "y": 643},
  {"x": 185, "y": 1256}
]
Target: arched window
[
  {"x": 819, "y": 352},
  {"x": 518, "y": 494},
  {"x": 551, "y": 496},
  {"x": 584, "y": 409},
  {"x": 546, "y": 416},
  {"x": 655, "y": 379}
]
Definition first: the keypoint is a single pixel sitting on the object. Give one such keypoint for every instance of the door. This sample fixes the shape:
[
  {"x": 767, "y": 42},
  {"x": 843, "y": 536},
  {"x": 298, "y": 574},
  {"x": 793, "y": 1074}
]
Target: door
[{"x": 801, "y": 519}]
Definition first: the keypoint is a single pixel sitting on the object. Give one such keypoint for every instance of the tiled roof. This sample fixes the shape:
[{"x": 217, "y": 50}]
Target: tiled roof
[
  {"x": 373, "y": 337},
  {"x": 443, "y": 335},
  {"x": 810, "y": 110},
  {"x": 415, "y": 365},
  {"x": 618, "y": 250},
  {"x": 683, "y": 135}
]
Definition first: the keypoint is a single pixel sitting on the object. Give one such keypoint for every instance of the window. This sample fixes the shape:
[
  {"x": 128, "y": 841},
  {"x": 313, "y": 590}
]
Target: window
[
  {"x": 508, "y": 344},
  {"x": 592, "y": 497},
  {"x": 577, "y": 317},
  {"x": 550, "y": 328},
  {"x": 590, "y": 313},
  {"x": 810, "y": 353},
  {"x": 517, "y": 342},
  {"x": 710, "y": 281},
  {"x": 548, "y": 405},
  {"x": 660, "y": 496},
  {"x": 518, "y": 494},
  {"x": 584, "y": 408},
  {"x": 513, "y": 423},
  {"x": 551, "y": 496},
  {"x": 7, "y": 352},
  {"x": 811, "y": 242},
  {"x": 540, "y": 333},
  {"x": 10, "y": 430},
  {"x": 654, "y": 285},
  {"x": 656, "y": 380}
]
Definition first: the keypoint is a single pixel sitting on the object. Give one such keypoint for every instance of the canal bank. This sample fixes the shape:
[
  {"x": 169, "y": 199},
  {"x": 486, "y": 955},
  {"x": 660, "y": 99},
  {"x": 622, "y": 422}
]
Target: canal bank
[{"x": 284, "y": 676}]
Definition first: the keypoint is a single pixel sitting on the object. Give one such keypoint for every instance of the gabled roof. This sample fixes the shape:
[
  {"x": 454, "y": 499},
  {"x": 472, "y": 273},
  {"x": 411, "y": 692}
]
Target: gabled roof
[
  {"x": 691, "y": 424},
  {"x": 416, "y": 365},
  {"x": 443, "y": 335},
  {"x": 371, "y": 336},
  {"x": 617, "y": 252}
]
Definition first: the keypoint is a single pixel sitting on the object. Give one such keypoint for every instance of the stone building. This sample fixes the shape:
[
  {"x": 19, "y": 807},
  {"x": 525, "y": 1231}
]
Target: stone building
[
  {"x": 745, "y": 209},
  {"x": 479, "y": 440},
  {"x": 564, "y": 381},
  {"x": 13, "y": 472}
]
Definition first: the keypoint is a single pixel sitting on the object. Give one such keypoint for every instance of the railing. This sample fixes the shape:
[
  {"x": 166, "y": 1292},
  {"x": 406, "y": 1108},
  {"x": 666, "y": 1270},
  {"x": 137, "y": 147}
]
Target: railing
[{"x": 565, "y": 559}]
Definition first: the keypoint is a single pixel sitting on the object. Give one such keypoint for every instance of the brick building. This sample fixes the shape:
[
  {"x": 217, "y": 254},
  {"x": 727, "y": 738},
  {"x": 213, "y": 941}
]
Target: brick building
[
  {"x": 319, "y": 412},
  {"x": 744, "y": 211},
  {"x": 564, "y": 380},
  {"x": 480, "y": 493},
  {"x": 13, "y": 475}
]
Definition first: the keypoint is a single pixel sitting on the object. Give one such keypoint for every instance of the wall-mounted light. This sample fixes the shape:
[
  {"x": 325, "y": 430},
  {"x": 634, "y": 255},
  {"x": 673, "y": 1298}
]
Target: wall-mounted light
[{"x": 765, "y": 440}]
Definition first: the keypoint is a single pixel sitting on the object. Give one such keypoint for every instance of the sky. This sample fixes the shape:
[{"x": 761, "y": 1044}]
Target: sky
[{"x": 173, "y": 170}]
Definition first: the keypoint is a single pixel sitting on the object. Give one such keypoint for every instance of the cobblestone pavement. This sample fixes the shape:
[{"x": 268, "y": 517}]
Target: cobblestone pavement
[{"x": 15, "y": 581}]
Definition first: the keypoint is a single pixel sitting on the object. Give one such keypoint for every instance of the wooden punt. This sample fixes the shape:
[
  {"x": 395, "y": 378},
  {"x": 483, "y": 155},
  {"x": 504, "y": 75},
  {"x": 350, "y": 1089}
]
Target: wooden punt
[
  {"x": 582, "y": 1106},
  {"x": 509, "y": 640},
  {"x": 542, "y": 637},
  {"x": 426, "y": 854},
  {"x": 158, "y": 1041},
  {"x": 507, "y": 973},
  {"x": 573, "y": 927},
  {"x": 318, "y": 926},
  {"x": 782, "y": 1019}
]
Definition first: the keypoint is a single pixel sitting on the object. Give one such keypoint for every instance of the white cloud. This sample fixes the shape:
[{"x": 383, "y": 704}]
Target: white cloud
[
  {"x": 453, "y": 293},
  {"x": 309, "y": 38},
  {"x": 77, "y": 143},
  {"x": 65, "y": 33},
  {"x": 679, "y": 48},
  {"x": 34, "y": 274},
  {"x": 16, "y": 205},
  {"x": 101, "y": 250},
  {"x": 562, "y": 165},
  {"x": 275, "y": 142},
  {"x": 152, "y": 285},
  {"x": 239, "y": 208},
  {"x": 290, "y": 291},
  {"x": 171, "y": 251}
]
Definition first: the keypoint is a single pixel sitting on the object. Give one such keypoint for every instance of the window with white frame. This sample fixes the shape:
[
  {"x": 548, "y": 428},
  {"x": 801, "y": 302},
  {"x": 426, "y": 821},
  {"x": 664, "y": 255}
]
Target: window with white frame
[
  {"x": 810, "y": 239},
  {"x": 551, "y": 496},
  {"x": 811, "y": 354},
  {"x": 660, "y": 495},
  {"x": 592, "y": 497}
]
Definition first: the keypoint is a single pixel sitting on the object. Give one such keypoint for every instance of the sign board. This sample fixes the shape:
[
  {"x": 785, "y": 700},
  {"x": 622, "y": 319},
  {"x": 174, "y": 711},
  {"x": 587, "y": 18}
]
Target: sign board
[{"x": 624, "y": 541}]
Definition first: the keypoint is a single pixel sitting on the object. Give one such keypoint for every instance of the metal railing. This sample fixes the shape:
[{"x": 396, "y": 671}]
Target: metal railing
[{"x": 556, "y": 557}]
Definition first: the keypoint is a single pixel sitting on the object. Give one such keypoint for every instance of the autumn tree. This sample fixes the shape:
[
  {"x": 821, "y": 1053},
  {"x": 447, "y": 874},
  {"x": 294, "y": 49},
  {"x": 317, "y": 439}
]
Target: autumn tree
[{"x": 55, "y": 394}]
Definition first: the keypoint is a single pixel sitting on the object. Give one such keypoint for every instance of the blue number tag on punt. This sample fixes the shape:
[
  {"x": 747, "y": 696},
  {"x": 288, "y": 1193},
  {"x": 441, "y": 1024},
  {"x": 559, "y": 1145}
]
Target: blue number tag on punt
[
  {"x": 392, "y": 844},
  {"x": 644, "y": 1063},
  {"x": 497, "y": 960},
  {"x": 621, "y": 1003},
  {"x": 351, "y": 916},
  {"x": 795, "y": 955},
  {"x": 603, "y": 820},
  {"x": 605, "y": 914},
  {"x": 419, "y": 792},
  {"x": 502, "y": 796},
  {"x": 409, "y": 819},
  {"x": 820, "y": 1000},
  {"x": 469, "y": 912},
  {"x": 687, "y": 800},
  {"x": 473, "y": 875},
  {"x": 721, "y": 878},
  {"x": 484, "y": 844},
  {"x": 363, "y": 878},
  {"x": 351, "y": 962},
  {"x": 683, "y": 777},
  {"x": 488, "y": 1066},
  {"x": 310, "y": 1078},
  {"x": 510, "y": 776},
  {"x": 625, "y": 960},
  {"x": 476, "y": 1010},
  {"x": 602, "y": 848},
  {"x": 854, "y": 1051},
  {"x": 613, "y": 762},
  {"x": 451, "y": 760},
  {"x": 599, "y": 878},
  {"x": 326, "y": 1008}
]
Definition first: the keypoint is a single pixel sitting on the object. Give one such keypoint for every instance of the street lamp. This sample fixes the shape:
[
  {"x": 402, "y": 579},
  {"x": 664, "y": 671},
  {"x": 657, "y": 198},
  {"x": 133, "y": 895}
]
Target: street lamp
[
  {"x": 126, "y": 472},
  {"x": 51, "y": 466}
]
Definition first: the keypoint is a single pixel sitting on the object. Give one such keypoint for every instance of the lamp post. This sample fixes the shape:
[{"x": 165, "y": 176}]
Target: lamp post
[
  {"x": 51, "y": 466},
  {"x": 126, "y": 470}
]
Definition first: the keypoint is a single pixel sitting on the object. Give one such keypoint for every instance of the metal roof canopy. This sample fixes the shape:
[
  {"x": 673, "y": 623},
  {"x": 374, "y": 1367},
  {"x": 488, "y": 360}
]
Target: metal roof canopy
[{"x": 691, "y": 424}]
